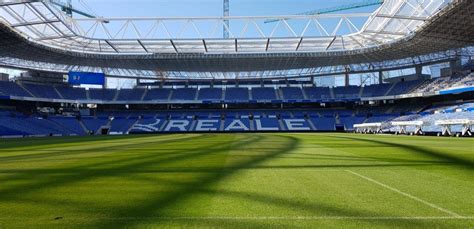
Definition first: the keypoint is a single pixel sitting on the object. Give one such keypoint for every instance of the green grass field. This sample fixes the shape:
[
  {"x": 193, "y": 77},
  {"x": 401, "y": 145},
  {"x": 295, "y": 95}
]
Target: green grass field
[{"x": 237, "y": 181}]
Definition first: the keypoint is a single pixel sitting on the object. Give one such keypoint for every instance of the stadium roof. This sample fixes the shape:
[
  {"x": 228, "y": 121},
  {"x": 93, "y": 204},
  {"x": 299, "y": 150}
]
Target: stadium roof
[{"x": 36, "y": 31}]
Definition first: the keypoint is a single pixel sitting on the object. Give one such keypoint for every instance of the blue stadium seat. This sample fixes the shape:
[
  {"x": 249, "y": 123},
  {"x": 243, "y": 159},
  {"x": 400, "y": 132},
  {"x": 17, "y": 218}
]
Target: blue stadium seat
[
  {"x": 147, "y": 125},
  {"x": 71, "y": 124},
  {"x": 184, "y": 94},
  {"x": 237, "y": 94},
  {"x": 317, "y": 92},
  {"x": 263, "y": 93},
  {"x": 380, "y": 118},
  {"x": 349, "y": 121},
  {"x": 206, "y": 125},
  {"x": 324, "y": 123},
  {"x": 376, "y": 90},
  {"x": 292, "y": 93},
  {"x": 210, "y": 94},
  {"x": 237, "y": 125},
  {"x": 157, "y": 94},
  {"x": 404, "y": 87},
  {"x": 12, "y": 89},
  {"x": 130, "y": 94},
  {"x": 349, "y": 92},
  {"x": 267, "y": 124},
  {"x": 121, "y": 125},
  {"x": 94, "y": 124},
  {"x": 41, "y": 91},
  {"x": 102, "y": 94},
  {"x": 72, "y": 93}
]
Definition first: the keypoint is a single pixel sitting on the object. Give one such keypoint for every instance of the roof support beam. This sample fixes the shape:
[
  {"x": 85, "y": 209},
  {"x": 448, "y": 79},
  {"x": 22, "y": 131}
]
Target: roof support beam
[
  {"x": 330, "y": 43},
  {"x": 299, "y": 44},
  {"x": 385, "y": 32},
  {"x": 403, "y": 17},
  {"x": 111, "y": 45},
  {"x": 15, "y": 3},
  {"x": 174, "y": 46},
  {"x": 205, "y": 45},
  {"x": 35, "y": 23},
  {"x": 53, "y": 37},
  {"x": 143, "y": 46},
  {"x": 267, "y": 45}
]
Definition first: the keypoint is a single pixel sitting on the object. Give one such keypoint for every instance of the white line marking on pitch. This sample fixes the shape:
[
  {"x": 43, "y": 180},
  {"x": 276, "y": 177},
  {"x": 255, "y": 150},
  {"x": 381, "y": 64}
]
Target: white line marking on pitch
[{"x": 406, "y": 194}]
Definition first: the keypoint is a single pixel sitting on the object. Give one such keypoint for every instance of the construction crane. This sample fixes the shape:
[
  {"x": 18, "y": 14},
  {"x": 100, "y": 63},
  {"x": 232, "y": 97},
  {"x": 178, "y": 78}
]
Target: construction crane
[
  {"x": 357, "y": 5},
  {"x": 226, "y": 21},
  {"x": 67, "y": 8}
]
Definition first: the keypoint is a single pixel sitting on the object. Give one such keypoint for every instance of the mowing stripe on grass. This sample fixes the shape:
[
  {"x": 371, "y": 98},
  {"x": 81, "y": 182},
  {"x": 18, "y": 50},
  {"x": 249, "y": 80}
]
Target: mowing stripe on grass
[
  {"x": 276, "y": 218},
  {"x": 405, "y": 194}
]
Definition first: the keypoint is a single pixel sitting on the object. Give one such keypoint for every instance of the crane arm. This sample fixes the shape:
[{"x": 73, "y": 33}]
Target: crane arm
[{"x": 365, "y": 3}]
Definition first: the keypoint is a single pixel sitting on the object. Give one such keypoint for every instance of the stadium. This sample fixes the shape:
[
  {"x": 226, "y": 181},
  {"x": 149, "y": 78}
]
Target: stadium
[{"x": 236, "y": 114}]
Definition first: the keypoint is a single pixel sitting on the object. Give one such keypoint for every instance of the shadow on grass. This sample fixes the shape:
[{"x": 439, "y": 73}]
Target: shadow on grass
[
  {"x": 229, "y": 157},
  {"x": 75, "y": 174},
  {"x": 89, "y": 148},
  {"x": 454, "y": 160}
]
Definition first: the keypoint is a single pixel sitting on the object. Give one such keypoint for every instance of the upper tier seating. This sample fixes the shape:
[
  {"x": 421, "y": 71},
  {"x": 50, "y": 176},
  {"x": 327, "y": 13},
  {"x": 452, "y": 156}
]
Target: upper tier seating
[
  {"x": 349, "y": 92},
  {"x": 404, "y": 87},
  {"x": 12, "y": 89},
  {"x": 233, "y": 94},
  {"x": 41, "y": 91},
  {"x": 157, "y": 94},
  {"x": 130, "y": 94},
  {"x": 376, "y": 90},
  {"x": 237, "y": 94},
  {"x": 210, "y": 94},
  {"x": 292, "y": 93},
  {"x": 263, "y": 93},
  {"x": 102, "y": 94},
  {"x": 317, "y": 92},
  {"x": 72, "y": 93},
  {"x": 184, "y": 94}
]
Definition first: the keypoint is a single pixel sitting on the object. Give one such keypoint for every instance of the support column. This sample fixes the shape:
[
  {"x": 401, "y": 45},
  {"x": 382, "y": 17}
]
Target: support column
[
  {"x": 419, "y": 72},
  {"x": 346, "y": 79},
  {"x": 455, "y": 66},
  {"x": 380, "y": 77}
]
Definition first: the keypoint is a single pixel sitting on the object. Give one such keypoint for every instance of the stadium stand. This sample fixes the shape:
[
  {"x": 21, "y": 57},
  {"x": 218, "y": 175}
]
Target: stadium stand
[
  {"x": 93, "y": 124},
  {"x": 292, "y": 93},
  {"x": 41, "y": 91},
  {"x": 233, "y": 94},
  {"x": 72, "y": 93},
  {"x": 350, "y": 92},
  {"x": 263, "y": 93},
  {"x": 184, "y": 94},
  {"x": 12, "y": 89},
  {"x": 130, "y": 94},
  {"x": 376, "y": 90},
  {"x": 317, "y": 92},
  {"x": 103, "y": 94},
  {"x": 210, "y": 94},
  {"x": 157, "y": 94}
]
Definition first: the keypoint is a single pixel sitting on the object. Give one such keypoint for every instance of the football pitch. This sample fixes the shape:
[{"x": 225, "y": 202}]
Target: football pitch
[{"x": 237, "y": 181}]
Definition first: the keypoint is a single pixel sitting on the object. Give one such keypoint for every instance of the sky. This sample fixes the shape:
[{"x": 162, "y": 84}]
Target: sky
[
  {"x": 197, "y": 8},
  {"x": 161, "y": 8}
]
